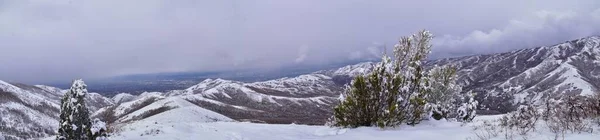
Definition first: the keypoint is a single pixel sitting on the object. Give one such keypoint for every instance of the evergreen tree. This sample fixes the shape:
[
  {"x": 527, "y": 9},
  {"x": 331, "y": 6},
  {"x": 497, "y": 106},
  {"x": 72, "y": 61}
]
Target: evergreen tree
[{"x": 74, "y": 118}]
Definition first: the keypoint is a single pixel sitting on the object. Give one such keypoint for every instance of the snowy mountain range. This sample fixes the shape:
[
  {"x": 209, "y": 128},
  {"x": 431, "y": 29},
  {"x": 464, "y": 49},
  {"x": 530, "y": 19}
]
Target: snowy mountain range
[
  {"x": 530, "y": 76},
  {"x": 502, "y": 81}
]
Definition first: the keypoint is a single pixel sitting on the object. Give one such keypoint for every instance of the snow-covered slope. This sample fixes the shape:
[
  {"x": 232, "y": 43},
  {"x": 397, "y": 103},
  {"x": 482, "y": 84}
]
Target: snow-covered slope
[
  {"x": 28, "y": 112},
  {"x": 123, "y": 97},
  {"x": 304, "y": 99},
  {"x": 350, "y": 70},
  {"x": 152, "y": 106}
]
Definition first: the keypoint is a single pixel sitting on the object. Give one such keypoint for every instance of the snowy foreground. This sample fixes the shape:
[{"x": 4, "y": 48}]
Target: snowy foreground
[{"x": 183, "y": 130}]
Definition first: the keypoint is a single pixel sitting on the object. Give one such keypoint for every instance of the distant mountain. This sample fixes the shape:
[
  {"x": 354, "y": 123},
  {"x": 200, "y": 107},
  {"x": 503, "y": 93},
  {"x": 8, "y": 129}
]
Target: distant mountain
[
  {"x": 28, "y": 112},
  {"x": 504, "y": 80},
  {"x": 164, "y": 82},
  {"x": 303, "y": 99}
]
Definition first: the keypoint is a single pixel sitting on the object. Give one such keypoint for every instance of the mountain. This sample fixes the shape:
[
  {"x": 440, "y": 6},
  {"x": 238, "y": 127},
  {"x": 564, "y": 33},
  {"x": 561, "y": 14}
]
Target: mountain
[
  {"x": 303, "y": 99},
  {"x": 504, "y": 80},
  {"x": 28, "y": 112},
  {"x": 501, "y": 82}
]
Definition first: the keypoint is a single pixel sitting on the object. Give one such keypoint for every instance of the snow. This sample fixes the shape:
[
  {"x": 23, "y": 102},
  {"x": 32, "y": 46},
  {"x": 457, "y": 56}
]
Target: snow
[
  {"x": 143, "y": 97},
  {"x": 354, "y": 70},
  {"x": 198, "y": 97},
  {"x": 294, "y": 84},
  {"x": 250, "y": 131},
  {"x": 298, "y": 85},
  {"x": 123, "y": 97},
  {"x": 211, "y": 88},
  {"x": 14, "y": 120},
  {"x": 79, "y": 87},
  {"x": 189, "y": 114},
  {"x": 191, "y": 130},
  {"x": 52, "y": 89},
  {"x": 572, "y": 76},
  {"x": 180, "y": 108},
  {"x": 26, "y": 96}
]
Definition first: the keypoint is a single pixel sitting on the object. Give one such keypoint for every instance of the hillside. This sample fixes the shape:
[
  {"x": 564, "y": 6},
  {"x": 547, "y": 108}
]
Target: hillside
[{"x": 32, "y": 111}]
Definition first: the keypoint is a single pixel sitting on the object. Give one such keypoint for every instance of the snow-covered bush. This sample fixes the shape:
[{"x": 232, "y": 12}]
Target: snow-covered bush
[
  {"x": 98, "y": 130},
  {"x": 467, "y": 111},
  {"x": 594, "y": 108},
  {"x": 361, "y": 104},
  {"x": 523, "y": 120},
  {"x": 487, "y": 130},
  {"x": 573, "y": 114},
  {"x": 444, "y": 92},
  {"x": 401, "y": 91}
]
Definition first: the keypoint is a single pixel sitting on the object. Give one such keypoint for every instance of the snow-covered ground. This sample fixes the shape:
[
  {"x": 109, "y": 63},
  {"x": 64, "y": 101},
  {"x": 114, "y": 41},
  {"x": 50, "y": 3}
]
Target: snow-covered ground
[
  {"x": 171, "y": 128},
  {"x": 250, "y": 131}
]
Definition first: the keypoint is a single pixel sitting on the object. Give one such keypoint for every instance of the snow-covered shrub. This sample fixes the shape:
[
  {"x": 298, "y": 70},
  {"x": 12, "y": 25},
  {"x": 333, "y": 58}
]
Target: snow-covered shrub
[
  {"x": 361, "y": 104},
  {"x": 108, "y": 114},
  {"x": 467, "y": 111},
  {"x": 523, "y": 120},
  {"x": 594, "y": 108},
  {"x": 444, "y": 92},
  {"x": 401, "y": 91},
  {"x": 98, "y": 130},
  {"x": 573, "y": 114},
  {"x": 487, "y": 130}
]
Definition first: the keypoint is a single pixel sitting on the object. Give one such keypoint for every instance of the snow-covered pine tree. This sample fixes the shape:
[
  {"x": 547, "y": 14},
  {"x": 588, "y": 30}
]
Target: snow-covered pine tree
[{"x": 74, "y": 118}]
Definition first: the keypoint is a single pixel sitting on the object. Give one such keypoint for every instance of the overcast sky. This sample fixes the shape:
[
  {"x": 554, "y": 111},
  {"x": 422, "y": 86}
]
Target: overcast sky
[{"x": 50, "y": 40}]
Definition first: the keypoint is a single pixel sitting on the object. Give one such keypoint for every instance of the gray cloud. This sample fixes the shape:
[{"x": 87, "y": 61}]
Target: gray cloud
[
  {"x": 64, "y": 39},
  {"x": 540, "y": 28}
]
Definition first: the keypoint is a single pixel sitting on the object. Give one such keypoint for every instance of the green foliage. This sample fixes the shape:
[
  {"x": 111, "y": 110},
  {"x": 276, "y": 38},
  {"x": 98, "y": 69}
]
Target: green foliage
[{"x": 360, "y": 108}]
